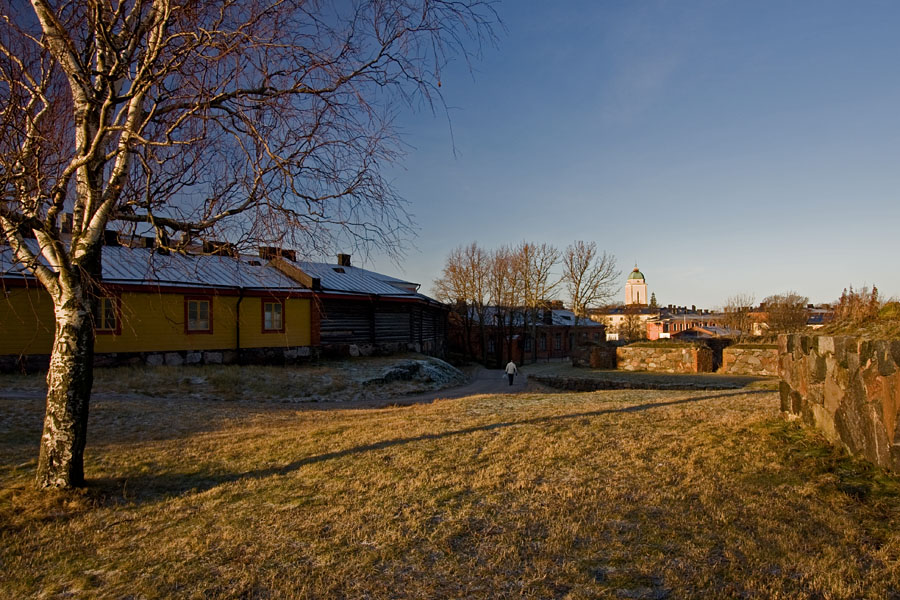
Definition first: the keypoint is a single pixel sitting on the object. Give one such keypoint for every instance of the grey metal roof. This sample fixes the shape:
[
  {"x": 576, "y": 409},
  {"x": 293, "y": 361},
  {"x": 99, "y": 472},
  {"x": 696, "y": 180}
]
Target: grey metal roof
[
  {"x": 124, "y": 265},
  {"x": 142, "y": 265},
  {"x": 128, "y": 265},
  {"x": 337, "y": 278}
]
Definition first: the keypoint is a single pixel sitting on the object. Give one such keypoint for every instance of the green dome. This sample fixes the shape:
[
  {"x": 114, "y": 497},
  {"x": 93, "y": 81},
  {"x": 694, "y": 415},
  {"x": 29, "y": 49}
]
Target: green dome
[{"x": 636, "y": 274}]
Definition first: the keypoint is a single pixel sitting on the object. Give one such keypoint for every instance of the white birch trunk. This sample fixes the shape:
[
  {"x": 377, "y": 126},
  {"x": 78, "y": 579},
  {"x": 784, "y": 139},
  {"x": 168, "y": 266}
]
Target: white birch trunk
[{"x": 69, "y": 382}]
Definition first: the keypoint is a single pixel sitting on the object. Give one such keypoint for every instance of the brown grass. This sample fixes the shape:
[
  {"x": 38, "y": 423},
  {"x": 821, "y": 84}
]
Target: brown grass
[{"x": 630, "y": 494}]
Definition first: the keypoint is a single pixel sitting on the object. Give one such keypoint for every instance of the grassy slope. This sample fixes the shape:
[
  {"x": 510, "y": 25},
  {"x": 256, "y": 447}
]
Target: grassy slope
[{"x": 605, "y": 494}]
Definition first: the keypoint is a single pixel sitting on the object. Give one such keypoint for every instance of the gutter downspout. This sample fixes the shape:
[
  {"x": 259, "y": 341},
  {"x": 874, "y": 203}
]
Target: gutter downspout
[{"x": 237, "y": 326}]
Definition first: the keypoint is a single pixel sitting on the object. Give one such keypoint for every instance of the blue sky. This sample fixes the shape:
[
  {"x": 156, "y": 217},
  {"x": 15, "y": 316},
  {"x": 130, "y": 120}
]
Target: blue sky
[{"x": 724, "y": 146}]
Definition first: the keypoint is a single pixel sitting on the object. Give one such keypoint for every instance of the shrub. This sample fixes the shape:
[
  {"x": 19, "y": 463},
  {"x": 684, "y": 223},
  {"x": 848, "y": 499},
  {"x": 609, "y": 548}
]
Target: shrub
[{"x": 857, "y": 306}]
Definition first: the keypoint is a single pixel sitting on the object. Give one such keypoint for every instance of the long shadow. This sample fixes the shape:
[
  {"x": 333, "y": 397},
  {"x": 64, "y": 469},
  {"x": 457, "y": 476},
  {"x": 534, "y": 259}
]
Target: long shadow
[{"x": 150, "y": 488}]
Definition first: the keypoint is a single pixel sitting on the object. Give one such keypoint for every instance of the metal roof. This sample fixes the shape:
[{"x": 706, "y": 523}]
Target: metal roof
[
  {"x": 124, "y": 265},
  {"x": 142, "y": 265},
  {"x": 337, "y": 278}
]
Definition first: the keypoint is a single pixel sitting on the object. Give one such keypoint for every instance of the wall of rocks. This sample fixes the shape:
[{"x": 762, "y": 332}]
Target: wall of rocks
[
  {"x": 847, "y": 387},
  {"x": 594, "y": 355},
  {"x": 750, "y": 360},
  {"x": 666, "y": 359},
  {"x": 35, "y": 363}
]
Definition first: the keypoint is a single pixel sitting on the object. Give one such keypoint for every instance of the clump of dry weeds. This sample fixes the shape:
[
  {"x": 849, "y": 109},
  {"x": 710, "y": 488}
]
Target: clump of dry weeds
[{"x": 599, "y": 495}]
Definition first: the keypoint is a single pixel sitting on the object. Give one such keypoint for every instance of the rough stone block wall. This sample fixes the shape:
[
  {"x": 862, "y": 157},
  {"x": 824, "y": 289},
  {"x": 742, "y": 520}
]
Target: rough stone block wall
[
  {"x": 666, "y": 359},
  {"x": 847, "y": 387},
  {"x": 595, "y": 356},
  {"x": 603, "y": 357},
  {"x": 750, "y": 361}
]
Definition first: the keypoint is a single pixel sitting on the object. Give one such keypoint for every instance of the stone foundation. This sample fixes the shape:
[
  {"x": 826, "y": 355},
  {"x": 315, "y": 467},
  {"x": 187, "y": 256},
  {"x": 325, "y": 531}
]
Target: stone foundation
[
  {"x": 750, "y": 360},
  {"x": 39, "y": 362},
  {"x": 847, "y": 387},
  {"x": 664, "y": 359}
]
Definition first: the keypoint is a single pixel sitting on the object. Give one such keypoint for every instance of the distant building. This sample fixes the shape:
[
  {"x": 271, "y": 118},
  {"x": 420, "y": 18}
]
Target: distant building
[
  {"x": 673, "y": 321},
  {"x": 636, "y": 289},
  {"x": 507, "y": 336}
]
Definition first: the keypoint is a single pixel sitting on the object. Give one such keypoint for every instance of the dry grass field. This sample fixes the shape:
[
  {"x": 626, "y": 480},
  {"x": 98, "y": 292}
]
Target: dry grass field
[{"x": 616, "y": 494}]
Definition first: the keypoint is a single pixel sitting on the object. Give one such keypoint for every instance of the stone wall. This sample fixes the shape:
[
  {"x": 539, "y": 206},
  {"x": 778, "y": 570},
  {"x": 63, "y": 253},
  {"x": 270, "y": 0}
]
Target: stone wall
[
  {"x": 847, "y": 387},
  {"x": 750, "y": 360},
  {"x": 666, "y": 359},
  {"x": 594, "y": 355},
  {"x": 34, "y": 363}
]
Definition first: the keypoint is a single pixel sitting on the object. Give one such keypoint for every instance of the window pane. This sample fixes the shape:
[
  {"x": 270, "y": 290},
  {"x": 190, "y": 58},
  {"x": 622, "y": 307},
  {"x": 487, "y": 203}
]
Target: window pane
[
  {"x": 109, "y": 314},
  {"x": 198, "y": 315},
  {"x": 272, "y": 317}
]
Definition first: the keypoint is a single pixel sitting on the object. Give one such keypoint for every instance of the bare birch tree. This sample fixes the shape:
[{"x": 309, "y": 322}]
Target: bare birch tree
[
  {"x": 246, "y": 120},
  {"x": 590, "y": 277}
]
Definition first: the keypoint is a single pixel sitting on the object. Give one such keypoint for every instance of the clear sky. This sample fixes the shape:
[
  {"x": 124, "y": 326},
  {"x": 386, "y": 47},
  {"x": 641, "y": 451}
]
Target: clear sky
[{"x": 725, "y": 146}]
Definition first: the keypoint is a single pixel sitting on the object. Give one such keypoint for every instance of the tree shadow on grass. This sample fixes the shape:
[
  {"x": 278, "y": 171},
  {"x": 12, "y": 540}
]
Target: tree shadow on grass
[{"x": 151, "y": 488}]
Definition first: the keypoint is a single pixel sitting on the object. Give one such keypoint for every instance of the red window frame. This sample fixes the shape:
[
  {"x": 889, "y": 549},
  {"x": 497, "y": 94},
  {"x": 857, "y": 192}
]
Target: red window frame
[
  {"x": 187, "y": 301},
  {"x": 116, "y": 302},
  {"x": 262, "y": 316}
]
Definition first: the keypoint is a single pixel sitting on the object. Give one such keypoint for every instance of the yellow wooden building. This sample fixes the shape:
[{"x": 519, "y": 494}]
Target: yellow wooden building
[{"x": 174, "y": 309}]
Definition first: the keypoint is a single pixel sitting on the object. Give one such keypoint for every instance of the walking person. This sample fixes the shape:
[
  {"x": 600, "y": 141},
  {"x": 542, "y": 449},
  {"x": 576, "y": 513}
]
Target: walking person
[{"x": 511, "y": 371}]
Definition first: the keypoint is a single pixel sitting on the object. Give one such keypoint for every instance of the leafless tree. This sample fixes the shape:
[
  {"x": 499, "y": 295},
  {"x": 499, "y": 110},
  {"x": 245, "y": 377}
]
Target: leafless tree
[
  {"x": 737, "y": 311},
  {"x": 244, "y": 120},
  {"x": 786, "y": 312},
  {"x": 505, "y": 292},
  {"x": 535, "y": 264},
  {"x": 633, "y": 327},
  {"x": 590, "y": 277},
  {"x": 464, "y": 283}
]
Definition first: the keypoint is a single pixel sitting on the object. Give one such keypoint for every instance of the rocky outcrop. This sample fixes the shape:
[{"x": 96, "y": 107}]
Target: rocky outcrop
[
  {"x": 847, "y": 387},
  {"x": 665, "y": 359},
  {"x": 750, "y": 360}
]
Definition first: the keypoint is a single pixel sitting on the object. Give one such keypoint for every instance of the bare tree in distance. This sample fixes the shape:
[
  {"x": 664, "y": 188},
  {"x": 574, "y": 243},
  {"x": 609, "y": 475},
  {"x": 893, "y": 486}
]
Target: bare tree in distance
[
  {"x": 786, "y": 312},
  {"x": 633, "y": 328},
  {"x": 737, "y": 313},
  {"x": 505, "y": 292},
  {"x": 590, "y": 277},
  {"x": 535, "y": 264},
  {"x": 454, "y": 288},
  {"x": 464, "y": 283},
  {"x": 250, "y": 121}
]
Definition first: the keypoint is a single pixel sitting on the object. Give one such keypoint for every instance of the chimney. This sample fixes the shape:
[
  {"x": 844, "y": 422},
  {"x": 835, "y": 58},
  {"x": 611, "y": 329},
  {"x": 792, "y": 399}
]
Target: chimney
[
  {"x": 270, "y": 252},
  {"x": 343, "y": 260},
  {"x": 217, "y": 248},
  {"x": 313, "y": 283},
  {"x": 548, "y": 317},
  {"x": 111, "y": 238}
]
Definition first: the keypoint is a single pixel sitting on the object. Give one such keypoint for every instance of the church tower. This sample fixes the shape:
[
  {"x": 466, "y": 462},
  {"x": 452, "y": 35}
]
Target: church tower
[{"x": 636, "y": 289}]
